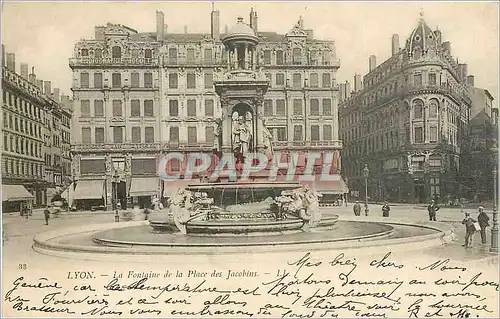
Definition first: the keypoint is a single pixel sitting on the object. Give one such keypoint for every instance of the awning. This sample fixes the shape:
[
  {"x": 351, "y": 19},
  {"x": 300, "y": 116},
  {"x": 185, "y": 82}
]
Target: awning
[
  {"x": 14, "y": 193},
  {"x": 171, "y": 187},
  {"x": 337, "y": 186},
  {"x": 146, "y": 186},
  {"x": 91, "y": 189}
]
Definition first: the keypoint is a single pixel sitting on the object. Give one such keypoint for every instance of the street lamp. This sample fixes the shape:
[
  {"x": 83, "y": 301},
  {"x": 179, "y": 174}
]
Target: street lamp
[
  {"x": 494, "y": 229},
  {"x": 366, "y": 172},
  {"x": 115, "y": 180}
]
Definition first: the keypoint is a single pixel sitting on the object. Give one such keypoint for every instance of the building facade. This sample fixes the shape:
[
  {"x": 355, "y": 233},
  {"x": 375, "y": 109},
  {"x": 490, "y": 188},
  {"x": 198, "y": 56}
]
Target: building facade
[
  {"x": 28, "y": 128},
  {"x": 407, "y": 122},
  {"x": 157, "y": 95}
]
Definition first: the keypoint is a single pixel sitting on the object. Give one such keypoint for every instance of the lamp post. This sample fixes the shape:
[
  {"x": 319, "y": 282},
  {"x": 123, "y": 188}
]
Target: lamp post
[
  {"x": 115, "y": 180},
  {"x": 494, "y": 229},
  {"x": 366, "y": 172}
]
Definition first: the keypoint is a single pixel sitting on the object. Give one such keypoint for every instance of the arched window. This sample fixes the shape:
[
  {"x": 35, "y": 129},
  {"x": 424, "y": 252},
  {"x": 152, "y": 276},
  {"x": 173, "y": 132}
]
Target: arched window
[
  {"x": 433, "y": 108},
  {"x": 98, "y": 53},
  {"x": 148, "y": 54},
  {"x": 418, "y": 109},
  {"x": 116, "y": 52}
]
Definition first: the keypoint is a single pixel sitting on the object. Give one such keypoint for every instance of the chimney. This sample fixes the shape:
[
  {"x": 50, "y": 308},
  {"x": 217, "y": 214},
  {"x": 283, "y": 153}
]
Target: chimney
[
  {"x": 347, "y": 89},
  {"x": 226, "y": 29},
  {"x": 395, "y": 44},
  {"x": 357, "y": 82},
  {"x": 32, "y": 76},
  {"x": 185, "y": 29},
  {"x": 372, "y": 63},
  {"x": 463, "y": 71},
  {"x": 11, "y": 62},
  {"x": 99, "y": 33},
  {"x": 39, "y": 84},
  {"x": 470, "y": 80},
  {"x": 55, "y": 96},
  {"x": 310, "y": 34},
  {"x": 215, "y": 24},
  {"x": 160, "y": 29},
  {"x": 447, "y": 47},
  {"x": 437, "y": 35},
  {"x": 343, "y": 95},
  {"x": 253, "y": 21},
  {"x": 47, "y": 90},
  {"x": 24, "y": 70}
]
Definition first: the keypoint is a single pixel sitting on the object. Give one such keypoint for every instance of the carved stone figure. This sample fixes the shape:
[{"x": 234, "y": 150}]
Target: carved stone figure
[{"x": 267, "y": 138}]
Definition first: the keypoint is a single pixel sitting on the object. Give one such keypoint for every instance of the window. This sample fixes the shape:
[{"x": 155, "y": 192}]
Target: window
[
  {"x": 267, "y": 57},
  {"x": 417, "y": 79},
  {"x": 419, "y": 135},
  {"x": 279, "y": 57},
  {"x": 297, "y": 56},
  {"x": 134, "y": 79},
  {"x": 280, "y": 79},
  {"x": 418, "y": 109},
  {"x": 432, "y": 79},
  {"x": 268, "y": 107},
  {"x": 149, "y": 134},
  {"x": 326, "y": 57},
  {"x": 269, "y": 78},
  {"x": 327, "y": 132},
  {"x": 314, "y": 132},
  {"x": 281, "y": 133},
  {"x": 327, "y": 82},
  {"x": 5, "y": 142},
  {"x": 85, "y": 108},
  {"x": 433, "y": 108},
  {"x": 117, "y": 108},
  {"x": 148, "y": 108},
  {"x": 313, "y": 80},
  {"x": 190, "y": 55},
  {"x": 173, "y": 108},
  {"x": 297, "y": 107},
  {"x": 191, "y": 108},
  {"x": 434, "y": 162},
  {"x": 173, "y": 81},
  {"x": 99, "y": 135},
  {"x": 327, "y": 107},
  {"x": 192, "y": 135},
  {"x": 116, "y": 80},
  {"x": 314, "y": 107},
  {"x": 172, "y": 56},
  {"x": 148, "y": 80},
  {"x": 433, "y": 134},
  {"x": 207, "y": 55},
  {"x": 174, "y": 134},
  {"x": 98, "y": 80},
  {"x": 297, "y": 80},
  {"x": 84, "y": 80},
  {"x": 85, "y": 52},
  {"x": 98, "y": 108},
  {"x": 135, "y": 108},
  {"x": 116, "y": 52},
  {"x": 209, "y": 77},
  {"x": 148, "y": 53},
  {"x": 85, "y": 135},
  {"x": 209, "y": 107},
  {"x": 191, "y": 81},
  {"x": 209, "y": 134},
  {"x": 280, "y": 107},
  {"x": 117, "y": 134}
]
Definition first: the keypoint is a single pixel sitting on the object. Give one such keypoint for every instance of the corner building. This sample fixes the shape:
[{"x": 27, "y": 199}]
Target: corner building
[
  {"x": 407, "y": 122},
  {"x": 138, "y": 95}
]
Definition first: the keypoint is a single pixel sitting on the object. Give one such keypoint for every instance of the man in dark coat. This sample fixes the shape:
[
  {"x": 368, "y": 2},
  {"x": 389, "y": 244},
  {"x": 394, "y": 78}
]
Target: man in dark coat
[
  {"x": 483, "y": 220},
  {"x": 357, "y": 209},
  {"x": 46, "y": 212},
  {"x": 432, "y": 209},
  {"x": 469, "y": 229},
  {"x": 386, "y": 209}
]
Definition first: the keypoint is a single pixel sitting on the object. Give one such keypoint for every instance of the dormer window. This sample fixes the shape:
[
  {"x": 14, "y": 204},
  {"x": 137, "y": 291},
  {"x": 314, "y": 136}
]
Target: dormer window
[
  {"x": 297, "y": 56},
  {"x": 148, "y": 54},
  {"x": 116, "y": 52},
  {"x": 98, "y": 53},
  {"x": 85, "y": 52}
]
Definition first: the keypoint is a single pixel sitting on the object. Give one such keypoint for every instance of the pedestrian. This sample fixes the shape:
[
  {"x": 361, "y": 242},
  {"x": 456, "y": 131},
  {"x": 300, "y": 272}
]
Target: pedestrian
[
  {"x": 117, "y": 217},
  {"x": 46, "y": 212},
  {"x": 470, "y": 229},
  {"x": 386, "y": 209},
  {"x": 357, "y": 209},
  {"x": 483, "y": 220},
  {"x": 366, "y": 209},
  {"x": 432, "y": 209}
]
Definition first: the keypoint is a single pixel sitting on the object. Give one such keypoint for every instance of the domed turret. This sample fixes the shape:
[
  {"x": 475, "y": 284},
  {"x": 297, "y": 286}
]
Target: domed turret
[
  {"x": 240, "y": 32},
  {"x": 421, "y": 40}
]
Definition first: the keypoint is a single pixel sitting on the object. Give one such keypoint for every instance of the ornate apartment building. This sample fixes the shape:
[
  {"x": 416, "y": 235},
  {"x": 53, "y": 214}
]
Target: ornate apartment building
[
  {"x": 141, "y": 94},
  {"x": 407, "y": 122},
  {"x": 36, "y": 147}
]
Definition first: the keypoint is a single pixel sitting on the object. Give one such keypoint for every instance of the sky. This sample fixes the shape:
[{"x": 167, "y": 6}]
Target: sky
[{"x": 43, "y": 34}]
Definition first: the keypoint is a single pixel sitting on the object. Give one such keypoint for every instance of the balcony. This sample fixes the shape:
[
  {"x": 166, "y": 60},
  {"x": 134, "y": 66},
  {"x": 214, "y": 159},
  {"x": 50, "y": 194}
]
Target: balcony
[
  {"x": 123, "y": 147},
  {"x": 193, "y": 62},
  {"x": 113, "y": 62},
  {"x": 307, "y": 144}
]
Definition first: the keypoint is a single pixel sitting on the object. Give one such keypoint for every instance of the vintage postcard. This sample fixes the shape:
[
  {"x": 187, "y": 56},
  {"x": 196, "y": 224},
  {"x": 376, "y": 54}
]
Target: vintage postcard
[{"x": 239, "y": 159}]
